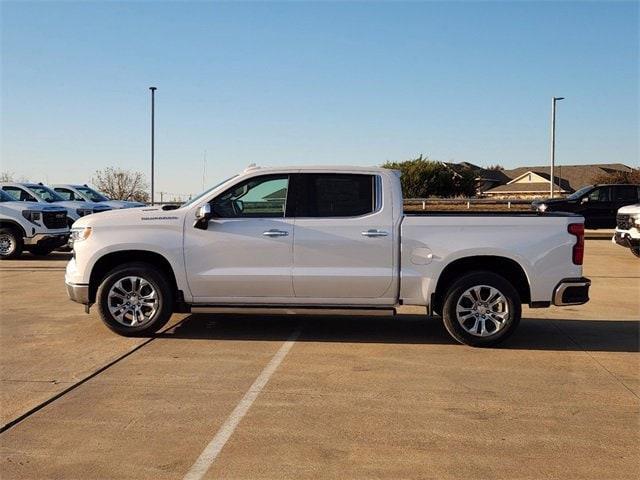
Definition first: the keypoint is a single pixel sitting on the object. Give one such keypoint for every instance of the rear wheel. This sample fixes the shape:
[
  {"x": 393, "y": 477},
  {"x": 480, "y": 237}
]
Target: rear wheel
[
  {"x": 135, "y": 299},
  {"x": 481, "y": 309},
  {"x": 11, "y": 243}
]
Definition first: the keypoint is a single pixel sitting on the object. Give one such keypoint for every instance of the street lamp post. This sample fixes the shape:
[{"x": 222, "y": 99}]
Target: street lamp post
[
  {"x": 153, "y": 139},
  {"x": 553, "y": 142}
]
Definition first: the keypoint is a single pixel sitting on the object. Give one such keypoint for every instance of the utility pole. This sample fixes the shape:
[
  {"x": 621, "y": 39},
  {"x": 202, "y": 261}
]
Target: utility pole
[
  {"x": 553, "y": 142},
  {"x": 153, "y": 138}
]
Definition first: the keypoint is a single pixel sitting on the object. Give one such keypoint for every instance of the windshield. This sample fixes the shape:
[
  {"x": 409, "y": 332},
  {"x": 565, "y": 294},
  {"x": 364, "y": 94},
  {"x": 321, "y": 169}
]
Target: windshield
[
  {"x": 206, "y": 192},
  {"x": 579, "y": 193},
  {"x": 5, "y": 197},
  {"x": 92, "y": 195},
  {"x": 45, "y": 193}
]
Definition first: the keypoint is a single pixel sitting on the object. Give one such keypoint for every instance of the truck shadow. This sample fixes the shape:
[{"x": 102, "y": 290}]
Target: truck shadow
[{"x": 532, "y": 334}]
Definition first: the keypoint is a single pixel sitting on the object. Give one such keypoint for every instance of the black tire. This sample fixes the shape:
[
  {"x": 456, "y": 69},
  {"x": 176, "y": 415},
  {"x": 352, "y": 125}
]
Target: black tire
[
  {"x": 40, "y": 251},
  {"x": 486, "y": 320},
  {"x": 159, "y": 283},
  {"x": 636, "y": 251},
  {"x": 11, "y": 243}
]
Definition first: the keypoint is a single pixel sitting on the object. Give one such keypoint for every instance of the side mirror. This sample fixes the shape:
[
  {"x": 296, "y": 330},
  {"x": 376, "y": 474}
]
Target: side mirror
[{"x": 203, "y": 214}]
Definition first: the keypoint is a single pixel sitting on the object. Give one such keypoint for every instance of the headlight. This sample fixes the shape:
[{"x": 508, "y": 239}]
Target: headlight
[
  {"x": 542, "y": 207},
  {"x": 80, "y": 233},
  {"x": 32, "y": 216},
  {"x": 84, "y": 211}
]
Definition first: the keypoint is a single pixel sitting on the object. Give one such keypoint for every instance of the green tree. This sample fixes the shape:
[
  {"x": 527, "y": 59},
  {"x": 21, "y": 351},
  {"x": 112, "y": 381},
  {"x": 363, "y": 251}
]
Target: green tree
[{"x": 422, "y": 177}]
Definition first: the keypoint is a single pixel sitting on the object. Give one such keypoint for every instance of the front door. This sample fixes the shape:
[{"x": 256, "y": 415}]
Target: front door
[
  {"x": 343, "y": 245},
  {"x": 246, "y": 252},
  {"x": 598, "y": 207}
]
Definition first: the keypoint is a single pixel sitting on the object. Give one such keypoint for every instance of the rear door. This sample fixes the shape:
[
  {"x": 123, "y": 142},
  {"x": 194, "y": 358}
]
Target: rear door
[
  {"x": 343, "y": 244},
  {"x": 246, "y": 253},
  {"x": 624, "y": 195}
]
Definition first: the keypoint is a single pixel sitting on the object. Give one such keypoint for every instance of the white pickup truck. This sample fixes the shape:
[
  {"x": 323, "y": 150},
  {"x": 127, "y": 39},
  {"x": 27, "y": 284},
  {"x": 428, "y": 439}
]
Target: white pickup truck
[{"x": 314, "y": 238}]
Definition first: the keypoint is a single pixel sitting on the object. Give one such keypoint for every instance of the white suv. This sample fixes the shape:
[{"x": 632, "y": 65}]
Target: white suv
[
  {"x": 627, "y": 231},
  {"x": 30, "y": 226}
]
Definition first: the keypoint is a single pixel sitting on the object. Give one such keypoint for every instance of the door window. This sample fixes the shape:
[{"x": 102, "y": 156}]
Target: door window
[
  {"x": 334, "y": 195},
  {"x": 601, "y": 194},
  {"x": 626, "y": 192},
  {"x": 19, "y": 194},
  {"x": 259, "y": 197}
]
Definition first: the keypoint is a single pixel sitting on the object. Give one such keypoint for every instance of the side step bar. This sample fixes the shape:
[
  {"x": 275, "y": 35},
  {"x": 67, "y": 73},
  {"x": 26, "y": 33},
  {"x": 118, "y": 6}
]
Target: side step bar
[{"x": 289, "y": 310}]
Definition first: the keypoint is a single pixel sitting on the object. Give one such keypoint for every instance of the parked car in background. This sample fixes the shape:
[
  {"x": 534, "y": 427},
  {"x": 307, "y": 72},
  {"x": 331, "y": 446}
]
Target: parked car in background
[
  {"x": 37, "y": 192},
  {"x": 324, "y": 237},
  {"x": 598, "y": 204},
  {"x": 34, "y": 227},
  {"x": 85, "y": 193},
  {"x": 627, "y": 231}
]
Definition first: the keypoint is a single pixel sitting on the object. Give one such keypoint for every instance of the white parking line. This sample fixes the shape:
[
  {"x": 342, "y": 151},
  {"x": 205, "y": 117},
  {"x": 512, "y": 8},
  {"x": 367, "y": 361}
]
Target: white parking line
[{"x": 212, "y": 450}]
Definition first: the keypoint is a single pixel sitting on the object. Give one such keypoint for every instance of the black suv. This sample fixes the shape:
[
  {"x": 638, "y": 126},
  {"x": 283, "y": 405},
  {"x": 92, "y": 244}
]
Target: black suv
[{"x": 598, "y": 204}]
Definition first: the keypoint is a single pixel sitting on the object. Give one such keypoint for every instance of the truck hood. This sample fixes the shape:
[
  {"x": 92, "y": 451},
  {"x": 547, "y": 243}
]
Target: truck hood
[
  {"x": 31, "y": 206},
  {"x": 147, "y": 216},
  {"x": 630, "y": 209},
  {"x": 72, "y": 204}
]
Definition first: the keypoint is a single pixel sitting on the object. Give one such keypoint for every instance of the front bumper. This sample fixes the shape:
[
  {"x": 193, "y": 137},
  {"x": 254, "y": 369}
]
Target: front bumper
[
  {"x": 625, "y": 240},
  {"x": 50, "y": 240},
  {"x": 571, "y": 291},
  {"x": 78, "y": 293}
]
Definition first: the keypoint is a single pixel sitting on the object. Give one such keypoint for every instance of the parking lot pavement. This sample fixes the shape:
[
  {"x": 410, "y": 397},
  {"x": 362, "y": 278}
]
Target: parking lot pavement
[{"x": 354, "y": 397}]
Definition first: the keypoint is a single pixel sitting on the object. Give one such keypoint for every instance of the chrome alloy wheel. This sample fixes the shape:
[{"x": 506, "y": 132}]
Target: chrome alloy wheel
[
  {"x": 132, "y": 301},
  {"x": 482, "y": 310},
  {"x": 7, "y": 244}
]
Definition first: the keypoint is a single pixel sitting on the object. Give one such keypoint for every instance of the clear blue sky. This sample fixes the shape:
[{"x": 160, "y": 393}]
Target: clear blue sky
[{"x": 295, "y": 83}]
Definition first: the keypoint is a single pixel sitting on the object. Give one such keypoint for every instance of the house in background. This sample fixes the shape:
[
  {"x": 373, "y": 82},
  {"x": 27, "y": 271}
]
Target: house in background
[{"x": 535, "y": 182}]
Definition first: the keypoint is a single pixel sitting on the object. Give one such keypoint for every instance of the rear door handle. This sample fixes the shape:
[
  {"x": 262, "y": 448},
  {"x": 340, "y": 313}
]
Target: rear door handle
[
  {"x": 375, "y": 233},
  {"x": 275, "y": 233}
]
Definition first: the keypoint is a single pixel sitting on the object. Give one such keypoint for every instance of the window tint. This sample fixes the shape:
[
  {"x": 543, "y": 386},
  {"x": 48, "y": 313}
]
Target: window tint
[
  {"x": 626, "y": 192},
  {"x": 64, "y": 193},
  {"x": 258, "y": 197},
  {"x": 334, "y": 195},
  {"x": 601, "y": 194},
  {"x": 19, "y": 194}
]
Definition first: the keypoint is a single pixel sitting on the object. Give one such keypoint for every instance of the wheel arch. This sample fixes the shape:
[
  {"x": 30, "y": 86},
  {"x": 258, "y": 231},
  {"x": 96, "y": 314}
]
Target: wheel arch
[
  {"x": 112, "y": 260},
  {"x": 506, "y": 267},
  {"x": 13, "y": 224}
]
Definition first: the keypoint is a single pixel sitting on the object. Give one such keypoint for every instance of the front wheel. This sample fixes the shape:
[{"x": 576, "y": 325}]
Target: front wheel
[
  {"x": 481, "y": 309},
  {"x": 135, "y": 299},
  {"x": 11, "y": 243},
  {"x": 636, "y": 251}
]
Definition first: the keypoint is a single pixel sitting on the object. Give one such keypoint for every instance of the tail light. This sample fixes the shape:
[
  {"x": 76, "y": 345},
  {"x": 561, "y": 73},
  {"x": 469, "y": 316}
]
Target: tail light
[{"x": 577, "y": 229}]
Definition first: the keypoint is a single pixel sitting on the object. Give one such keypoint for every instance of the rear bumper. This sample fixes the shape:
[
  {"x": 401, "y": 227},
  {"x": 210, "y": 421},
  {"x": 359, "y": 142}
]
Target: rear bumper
[
  {"x": 50, "y": 240},
  {"x": 571, "y": 291},
  {"x": 78, "y": 293}
]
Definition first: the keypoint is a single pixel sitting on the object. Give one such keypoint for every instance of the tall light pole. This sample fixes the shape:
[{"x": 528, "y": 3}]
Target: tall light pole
[
  {"x": 153, "y": 137},
  {"x": 553, "y": 141}
]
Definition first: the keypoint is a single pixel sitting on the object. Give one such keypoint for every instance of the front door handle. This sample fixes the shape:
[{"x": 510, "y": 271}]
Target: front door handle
[
  {"x": 275, "y": 233},
  {"x": 375, "y": 233}
]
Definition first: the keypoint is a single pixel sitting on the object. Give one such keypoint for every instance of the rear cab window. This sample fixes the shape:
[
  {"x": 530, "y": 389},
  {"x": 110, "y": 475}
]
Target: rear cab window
[{"x": 329, "y": 195}]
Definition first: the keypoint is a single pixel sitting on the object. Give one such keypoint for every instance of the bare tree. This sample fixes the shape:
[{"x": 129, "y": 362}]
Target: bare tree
[
  {"x": 6, "y": 176},
  {"x": 617, "y": 176},
  {"x": 121, "y": 184}
]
